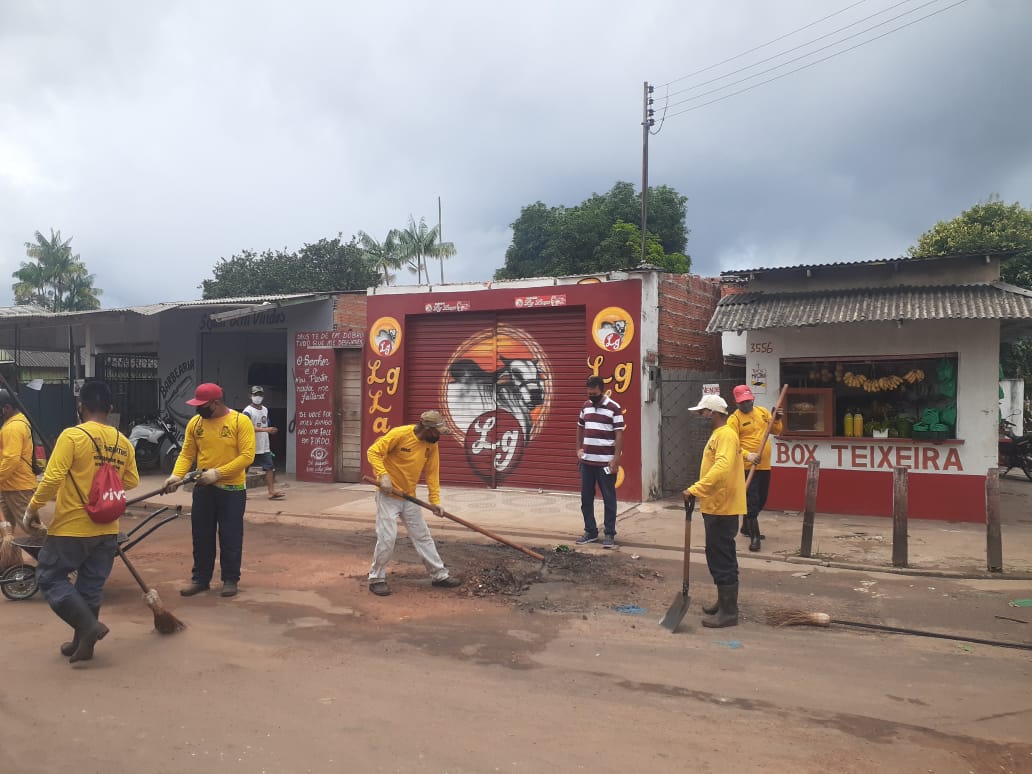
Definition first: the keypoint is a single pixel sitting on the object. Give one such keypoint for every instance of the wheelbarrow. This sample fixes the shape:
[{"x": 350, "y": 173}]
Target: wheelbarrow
[{"x": 20, "y": 582}]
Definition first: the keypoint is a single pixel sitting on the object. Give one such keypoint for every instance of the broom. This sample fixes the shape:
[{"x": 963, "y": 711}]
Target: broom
[
  {"x": 10, "y": 554},
  {"x": 164, "y": 621}
]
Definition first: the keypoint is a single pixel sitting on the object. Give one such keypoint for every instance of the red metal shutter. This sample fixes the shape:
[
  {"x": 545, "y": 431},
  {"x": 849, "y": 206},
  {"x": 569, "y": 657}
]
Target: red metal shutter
[{"x": 510, "y": 385}]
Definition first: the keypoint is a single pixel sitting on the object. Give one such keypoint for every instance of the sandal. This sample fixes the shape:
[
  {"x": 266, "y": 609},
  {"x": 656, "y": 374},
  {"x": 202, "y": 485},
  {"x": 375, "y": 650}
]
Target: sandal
[{"x": 277, "y": 496}]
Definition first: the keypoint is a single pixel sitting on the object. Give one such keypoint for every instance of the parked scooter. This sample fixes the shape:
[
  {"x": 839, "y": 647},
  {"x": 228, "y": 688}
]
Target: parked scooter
[
  {"x": 1015, "y": 451},
  {"x": 157, "y": 441}
]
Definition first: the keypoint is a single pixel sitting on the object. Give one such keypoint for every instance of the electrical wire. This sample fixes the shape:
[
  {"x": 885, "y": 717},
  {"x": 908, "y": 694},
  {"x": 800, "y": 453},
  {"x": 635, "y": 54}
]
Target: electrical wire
[
  {"x": 763, "y": 45},
  {"x": 803, "y": 45},
  {"x": 816, "y": 62},
  {"x": 798, "y": 58}
]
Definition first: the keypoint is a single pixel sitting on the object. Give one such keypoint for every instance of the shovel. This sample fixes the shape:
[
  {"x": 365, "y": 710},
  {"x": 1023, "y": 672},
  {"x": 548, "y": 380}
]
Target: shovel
[{"x": 675, "y": 614}]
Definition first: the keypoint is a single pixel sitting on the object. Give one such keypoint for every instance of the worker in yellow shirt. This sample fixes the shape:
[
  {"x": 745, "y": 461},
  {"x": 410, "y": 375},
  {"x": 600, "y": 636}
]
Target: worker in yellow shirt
[
  {"x": 720, "y": 494},
  {"x": 76, "y": 543},
  {"x": 751, "y": 422},
  {"x": 220, "y": 442},
  {"x": 17, "y": 479},
  {"x": 398, "y": 459}
]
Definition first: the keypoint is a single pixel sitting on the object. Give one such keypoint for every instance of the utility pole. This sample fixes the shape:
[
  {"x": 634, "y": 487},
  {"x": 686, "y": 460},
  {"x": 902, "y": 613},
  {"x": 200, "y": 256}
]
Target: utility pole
[{"x": 646, "y": 124}]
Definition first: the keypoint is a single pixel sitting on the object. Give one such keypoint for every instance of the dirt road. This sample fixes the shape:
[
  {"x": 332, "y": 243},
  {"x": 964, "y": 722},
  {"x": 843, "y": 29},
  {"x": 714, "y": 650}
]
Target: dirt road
[{"x": 306, "y": 671}]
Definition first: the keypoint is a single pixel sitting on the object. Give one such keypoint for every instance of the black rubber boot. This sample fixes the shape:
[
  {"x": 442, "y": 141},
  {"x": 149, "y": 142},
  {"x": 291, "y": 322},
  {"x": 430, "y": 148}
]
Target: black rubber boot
[
  {"x": 754, "y": 533},
  {"x": 711, "y": 609},
  {"x": 88, "y": 630},
  {"x": 68, "y": 648},
  {"x": 727, "y": 612}
]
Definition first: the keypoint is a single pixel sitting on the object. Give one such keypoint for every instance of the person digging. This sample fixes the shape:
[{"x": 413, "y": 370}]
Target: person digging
[
  {"x": 720, "y": 495},
  {"x": 398, "y": 459}
]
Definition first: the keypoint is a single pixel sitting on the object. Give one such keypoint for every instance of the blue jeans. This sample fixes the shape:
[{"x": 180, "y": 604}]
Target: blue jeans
[
  {"x": 217, "y": 512},
  {"x": 90, "y": 558},
  {"x": 590, "y": 477}
]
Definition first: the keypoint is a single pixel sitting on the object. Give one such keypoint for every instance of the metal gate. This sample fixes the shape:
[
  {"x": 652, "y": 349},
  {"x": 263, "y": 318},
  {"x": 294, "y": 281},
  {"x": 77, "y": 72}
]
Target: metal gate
[
  {"x": 133, "y": 379},
  {"x": 510, "y": 385}
]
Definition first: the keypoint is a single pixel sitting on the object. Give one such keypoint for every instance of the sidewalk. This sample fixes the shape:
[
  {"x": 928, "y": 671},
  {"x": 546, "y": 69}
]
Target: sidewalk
[{"x": 545, "y": 519}]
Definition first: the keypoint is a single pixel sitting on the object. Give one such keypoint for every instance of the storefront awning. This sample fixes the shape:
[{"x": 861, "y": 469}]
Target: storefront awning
[{"x": 989, "y": 301}]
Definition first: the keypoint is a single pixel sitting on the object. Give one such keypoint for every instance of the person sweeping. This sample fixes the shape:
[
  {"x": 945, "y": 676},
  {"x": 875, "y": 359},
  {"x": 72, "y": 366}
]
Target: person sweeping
[
  {"x": 75, "y": 542},
  {"x": 720, "y": 495}
]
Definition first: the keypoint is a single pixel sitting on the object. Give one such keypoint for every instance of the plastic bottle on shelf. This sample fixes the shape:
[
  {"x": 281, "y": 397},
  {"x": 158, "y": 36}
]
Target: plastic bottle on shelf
[
  {"x": 848, "y": 423},
  {"x": 858, "y": 424}
]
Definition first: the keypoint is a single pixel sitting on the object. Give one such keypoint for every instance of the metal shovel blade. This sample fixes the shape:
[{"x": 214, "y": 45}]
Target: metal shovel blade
[{"x": 677, "y": 610}]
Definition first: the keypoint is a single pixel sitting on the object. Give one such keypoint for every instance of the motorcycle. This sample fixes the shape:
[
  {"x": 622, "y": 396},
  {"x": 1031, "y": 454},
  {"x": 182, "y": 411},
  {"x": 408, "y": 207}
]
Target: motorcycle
[
  {"x": 157, "y": 442},
  {"x": 1015, "y": 451}
]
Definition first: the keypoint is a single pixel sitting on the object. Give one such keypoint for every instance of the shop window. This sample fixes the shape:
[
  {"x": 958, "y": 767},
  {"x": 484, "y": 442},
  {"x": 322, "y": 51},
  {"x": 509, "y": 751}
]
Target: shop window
[{"x": 889, "y": 397}]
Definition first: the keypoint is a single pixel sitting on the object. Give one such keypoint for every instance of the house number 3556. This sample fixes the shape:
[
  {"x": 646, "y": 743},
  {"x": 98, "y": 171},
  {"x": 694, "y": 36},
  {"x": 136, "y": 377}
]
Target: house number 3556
[{"x": 761, "y": 346}]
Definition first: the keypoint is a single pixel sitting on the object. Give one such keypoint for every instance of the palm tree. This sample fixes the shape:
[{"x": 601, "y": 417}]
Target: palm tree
[
  {"x": 384, "y": 256},
  {"x": 419, "y": 242},
  {"x": 55, "y": 278}
]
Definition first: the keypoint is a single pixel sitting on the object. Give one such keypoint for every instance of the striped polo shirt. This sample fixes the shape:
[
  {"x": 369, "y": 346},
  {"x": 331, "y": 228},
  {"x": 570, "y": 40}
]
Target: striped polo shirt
[{"x": 600, "y": 424}]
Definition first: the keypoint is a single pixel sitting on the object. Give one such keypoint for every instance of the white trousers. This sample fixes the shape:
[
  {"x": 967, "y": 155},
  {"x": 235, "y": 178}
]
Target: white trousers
[{"x": 388, "y": 510}]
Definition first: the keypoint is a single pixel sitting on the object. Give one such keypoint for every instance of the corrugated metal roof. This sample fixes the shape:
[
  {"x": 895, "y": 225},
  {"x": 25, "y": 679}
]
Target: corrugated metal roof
[
  {"x": 32, "y": 359},
  {"x": 146, "y": 310},
  {"x": 756, "y": 311},
  {"x": 736, "y": 273}
]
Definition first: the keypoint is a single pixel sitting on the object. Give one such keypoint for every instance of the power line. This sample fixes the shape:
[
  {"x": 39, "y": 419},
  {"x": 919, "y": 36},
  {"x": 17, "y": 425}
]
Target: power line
[
  {"x": 807, "y": 43},
  {"x": 815, "y": 62},
  {"x": 763, "y": 45},
  {"x": 802, "y": 56}
]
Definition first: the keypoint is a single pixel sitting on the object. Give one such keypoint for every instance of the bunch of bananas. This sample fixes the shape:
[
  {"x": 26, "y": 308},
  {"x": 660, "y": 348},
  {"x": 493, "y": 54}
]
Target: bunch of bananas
[
  {"x": 883, "y": 383},
  {"x": 913, "y": 376},
  {"x": 854, "y": 380}
]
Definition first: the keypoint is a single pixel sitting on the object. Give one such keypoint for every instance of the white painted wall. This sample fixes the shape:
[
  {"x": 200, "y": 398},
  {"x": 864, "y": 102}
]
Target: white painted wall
[
  {"x": 976, "y": 342},
  {"x": 1012, "y": 404},
  {"x": 651, "y": 414}
]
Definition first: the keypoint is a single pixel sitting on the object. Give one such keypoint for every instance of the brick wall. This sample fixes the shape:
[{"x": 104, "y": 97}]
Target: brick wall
[
  {"x": 686, "y": 304},
  {"x": 349, "y": 311}
]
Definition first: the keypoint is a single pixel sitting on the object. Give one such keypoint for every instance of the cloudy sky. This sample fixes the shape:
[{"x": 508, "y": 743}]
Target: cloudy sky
[{"x": 165, "y": 135}]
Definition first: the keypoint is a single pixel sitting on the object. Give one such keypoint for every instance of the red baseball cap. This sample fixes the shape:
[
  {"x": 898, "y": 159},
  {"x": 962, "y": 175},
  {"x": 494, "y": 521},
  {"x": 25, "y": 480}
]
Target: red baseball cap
[
  {"x": 742, "y": 393},
  {"x": 205, "y": 393}
]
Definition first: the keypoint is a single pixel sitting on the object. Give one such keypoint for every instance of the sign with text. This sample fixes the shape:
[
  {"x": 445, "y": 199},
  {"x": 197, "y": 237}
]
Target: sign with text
[{"x": 314, "y": 432}]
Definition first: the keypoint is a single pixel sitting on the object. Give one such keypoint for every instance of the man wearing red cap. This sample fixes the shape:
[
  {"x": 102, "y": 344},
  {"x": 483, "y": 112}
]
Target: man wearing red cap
[
  {"x": 751, "y": 422},
  {"x": 220, "y": 442}
]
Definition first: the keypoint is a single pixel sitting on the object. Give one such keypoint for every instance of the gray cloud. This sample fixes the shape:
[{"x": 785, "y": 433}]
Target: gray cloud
[{"x": 163, "y": 136}]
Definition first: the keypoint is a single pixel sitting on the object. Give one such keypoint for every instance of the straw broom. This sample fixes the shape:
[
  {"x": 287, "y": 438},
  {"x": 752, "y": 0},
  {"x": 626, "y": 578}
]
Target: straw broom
[
  {"x": 164, "y": 621},
  {"x": 10, "y": 554},
  {"x": 783, "y": 617}
]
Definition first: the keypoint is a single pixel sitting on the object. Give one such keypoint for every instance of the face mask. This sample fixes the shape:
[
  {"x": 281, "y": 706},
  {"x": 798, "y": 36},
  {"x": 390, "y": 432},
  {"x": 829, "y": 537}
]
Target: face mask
[
  {"x": 256, "y": 400},
  {"x": 205, "y": 412},
  {"x": 595, "y": 399},
  {"x": 432, "y": 437}
]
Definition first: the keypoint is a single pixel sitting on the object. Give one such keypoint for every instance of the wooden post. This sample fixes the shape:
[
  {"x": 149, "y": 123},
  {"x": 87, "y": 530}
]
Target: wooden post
[
  {"x": 899, "y": 517},
  {"x": 993, "y": 535},
  {"x": 813, "y": 469}
]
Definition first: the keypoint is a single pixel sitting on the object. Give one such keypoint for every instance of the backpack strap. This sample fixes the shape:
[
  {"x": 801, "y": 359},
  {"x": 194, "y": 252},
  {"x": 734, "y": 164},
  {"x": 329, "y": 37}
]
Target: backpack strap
[{"x": 31, "y": 443}]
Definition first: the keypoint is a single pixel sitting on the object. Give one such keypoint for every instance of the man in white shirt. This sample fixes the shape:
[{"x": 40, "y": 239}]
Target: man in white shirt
[{"x": 259, "y": 416}]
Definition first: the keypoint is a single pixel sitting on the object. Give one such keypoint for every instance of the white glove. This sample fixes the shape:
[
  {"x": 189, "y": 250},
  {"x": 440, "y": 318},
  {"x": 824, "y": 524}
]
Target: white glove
[
  {"x": 438, "y": 509},
  {"x": 171, "y": 483},
  {"x": 31, "y": 523},
  {"x": 385, "y": 484},
  {"x": 208, "y": 477},
  {"x": 752, "y": 457}
]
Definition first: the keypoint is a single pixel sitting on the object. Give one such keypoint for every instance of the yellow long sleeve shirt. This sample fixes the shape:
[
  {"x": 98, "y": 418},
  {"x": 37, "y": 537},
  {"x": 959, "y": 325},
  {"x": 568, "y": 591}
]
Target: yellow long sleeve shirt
[
  {"x": 16, "y": 455},
  {"x": 750, "y": 428},
  {"x": 404, "y": 458},
  {"x": 720, "y": 490},
  {"x": 75, "y": 460},
  {"x": 225, "y": 442}
]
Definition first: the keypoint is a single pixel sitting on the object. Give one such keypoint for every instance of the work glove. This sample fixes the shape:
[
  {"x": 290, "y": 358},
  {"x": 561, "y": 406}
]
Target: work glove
[
  {"x": 171, "y": 483},
  {"x": 437, "y": 509},
  {"x": 208, "y": 477},
  {"x": 752, "y": 458},
  {"x": 385, "y": 484},
  {"x": 31, "y": 523}
]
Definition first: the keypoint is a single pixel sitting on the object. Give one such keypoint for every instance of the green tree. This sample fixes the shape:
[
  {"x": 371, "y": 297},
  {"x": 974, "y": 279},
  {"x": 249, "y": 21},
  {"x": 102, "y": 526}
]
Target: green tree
[
  {"x": 991, "y": 226},
  {"x": 326, "y": 265},
  {"x": 417, "y": 242},
  {"x": 54, "y": 277},
  {"x": 596, "y": 235},
  {"x": 384, "y": 256}
]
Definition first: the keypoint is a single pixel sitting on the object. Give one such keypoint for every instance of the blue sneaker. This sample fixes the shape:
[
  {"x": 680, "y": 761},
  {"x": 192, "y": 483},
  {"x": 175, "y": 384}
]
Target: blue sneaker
[
  {"x": 609, "y": 542},
  {"x": 586, "y": 538}
]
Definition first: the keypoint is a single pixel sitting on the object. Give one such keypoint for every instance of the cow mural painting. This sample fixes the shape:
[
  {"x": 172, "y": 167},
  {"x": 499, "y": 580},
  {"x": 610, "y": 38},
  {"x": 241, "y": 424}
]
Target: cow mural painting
[{"x": 506, "y": 366}]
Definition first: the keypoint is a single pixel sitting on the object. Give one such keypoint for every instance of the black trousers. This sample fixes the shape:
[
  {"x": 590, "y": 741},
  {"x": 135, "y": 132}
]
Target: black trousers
[
  {"x": 756, "y": 494},
  {"x": 217, "y": 513},
  {"x": 720, "y": 548}
]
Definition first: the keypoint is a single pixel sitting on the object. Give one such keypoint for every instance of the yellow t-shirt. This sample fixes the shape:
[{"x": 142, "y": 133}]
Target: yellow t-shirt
[
  {"x": 75, "y": 460},
  {"x": 404, "y": 457},
  {"x": 16, "y": 455},
  {"x": 750, "y": 428},
  {"x": 225, "y": 442},
  {"x": 720, "y": 490}
]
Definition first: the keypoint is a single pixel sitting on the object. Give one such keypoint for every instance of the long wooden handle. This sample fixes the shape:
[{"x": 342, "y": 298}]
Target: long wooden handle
[
  {"x": 189, "y": 477},
  {"x": 463, "y": 522},
  {"x": 132, "y": 570},
  {"x": 766, "y": 435}
]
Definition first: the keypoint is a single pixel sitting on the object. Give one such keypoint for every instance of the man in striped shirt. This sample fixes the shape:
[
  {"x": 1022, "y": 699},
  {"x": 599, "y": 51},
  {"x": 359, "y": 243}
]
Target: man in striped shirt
[{"x": 600, "y": 430}]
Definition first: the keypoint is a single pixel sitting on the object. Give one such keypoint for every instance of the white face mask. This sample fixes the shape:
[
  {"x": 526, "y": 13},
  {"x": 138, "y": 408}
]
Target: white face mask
[{"x": 257, "y": 400}]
